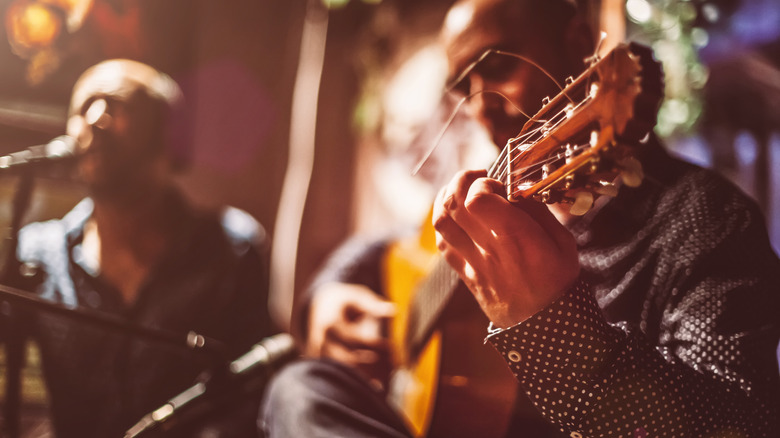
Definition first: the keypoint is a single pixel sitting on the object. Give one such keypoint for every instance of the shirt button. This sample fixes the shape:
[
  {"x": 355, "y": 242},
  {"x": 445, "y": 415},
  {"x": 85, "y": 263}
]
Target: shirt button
[
  {"x": 28, "y": 269},
  {"x": 575, "y": 435},
  {"x": 92, "y": 299},
  {"x": 513, "y": 356}
]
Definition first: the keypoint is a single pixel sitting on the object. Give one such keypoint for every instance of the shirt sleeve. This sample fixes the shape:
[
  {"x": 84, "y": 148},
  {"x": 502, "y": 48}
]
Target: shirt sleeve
[
  {"x": 596, "y": 379},
  {"x": 246, "y": 277},
  {"x": 357, "y": 261}
]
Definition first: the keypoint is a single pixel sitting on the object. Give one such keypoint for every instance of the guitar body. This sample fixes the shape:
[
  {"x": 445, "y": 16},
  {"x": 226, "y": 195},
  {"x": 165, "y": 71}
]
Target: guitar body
[{"x": 457, "y": 386}]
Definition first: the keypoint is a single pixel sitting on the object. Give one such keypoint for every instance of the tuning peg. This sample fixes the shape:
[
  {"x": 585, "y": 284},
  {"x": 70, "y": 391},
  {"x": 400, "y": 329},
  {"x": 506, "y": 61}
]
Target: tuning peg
[
  {"x": 604, "y": 188},
  {"x": 569, "y": 152},
  {"x": 569, "y": 110},
  {"x": 594, "y": 139},
  {"x": 568, "y": 182},
  {"x": 550, "y": 197},
  {"x": 581, "y": 203},
  {"x": 594, "y": 90},
  {"x": 631, "y": 171},
  {"x": 594, "y": 164},
  {"x": 546, "y": 171}
]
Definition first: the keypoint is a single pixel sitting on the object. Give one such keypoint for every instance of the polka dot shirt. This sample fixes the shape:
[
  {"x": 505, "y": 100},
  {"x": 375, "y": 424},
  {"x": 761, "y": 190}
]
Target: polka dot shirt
[{"x": 673, "y": 329}]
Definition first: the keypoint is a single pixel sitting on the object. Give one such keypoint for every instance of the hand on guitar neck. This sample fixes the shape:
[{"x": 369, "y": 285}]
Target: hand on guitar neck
[
  {"x": 516, "y": 258},
  {"x": 347, "y": 324}
]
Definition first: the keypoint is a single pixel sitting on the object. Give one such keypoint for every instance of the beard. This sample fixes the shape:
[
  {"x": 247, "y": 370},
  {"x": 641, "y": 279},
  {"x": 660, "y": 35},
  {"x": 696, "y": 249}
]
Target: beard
[
  {"x": 122, "y": 183},
  {"x": 116, "y": 191}
]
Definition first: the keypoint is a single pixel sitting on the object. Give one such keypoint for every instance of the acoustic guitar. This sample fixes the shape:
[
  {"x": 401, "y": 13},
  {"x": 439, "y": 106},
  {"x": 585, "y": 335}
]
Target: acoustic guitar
[{"x": 446, "y": 381}]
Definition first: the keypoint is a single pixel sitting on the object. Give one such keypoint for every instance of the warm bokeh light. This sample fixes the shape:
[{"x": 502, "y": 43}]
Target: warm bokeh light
[
  {"x": 35, "y": 29},
  {"x": 32, "y": 26},
  {"x": 75, "y": 11},
  {"x": 67, "y": 5},
  {"x": 639, "y": 10}
]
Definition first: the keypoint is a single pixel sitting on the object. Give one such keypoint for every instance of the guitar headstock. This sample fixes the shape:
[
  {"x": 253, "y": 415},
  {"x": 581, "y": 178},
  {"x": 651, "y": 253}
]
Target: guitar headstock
[{"x": 582, "y": 140}]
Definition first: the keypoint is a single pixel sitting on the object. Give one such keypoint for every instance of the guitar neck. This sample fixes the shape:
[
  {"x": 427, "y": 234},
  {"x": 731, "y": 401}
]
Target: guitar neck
[{"x": 428, "y": 303}]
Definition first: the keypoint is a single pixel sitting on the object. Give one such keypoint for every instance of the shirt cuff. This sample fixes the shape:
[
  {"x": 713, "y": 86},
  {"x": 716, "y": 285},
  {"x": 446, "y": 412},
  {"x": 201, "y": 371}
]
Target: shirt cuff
[{"x": 568, "y": 338}]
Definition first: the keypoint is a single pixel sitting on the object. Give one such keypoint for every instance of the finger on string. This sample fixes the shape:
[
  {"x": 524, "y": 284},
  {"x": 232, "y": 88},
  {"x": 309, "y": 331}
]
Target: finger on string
[
  {"x": 370, "y": 333},
  {"x": 499, "y": 218},
  {"x": 356, "y": 337},
  {"x": 358, "y": 302},
  {"x": 452, "y": 241},
  {"x": 452, "y": 257},
  {"x": 439, "y": 215},
  {"x": 470, "y": 217},
  {"x": 500, "y": 215},
  {"x": 485, "y": 200},
  {"x": 454, "y": 199},
  {"x": 455, "y": 191},
  {"x": 449, "y": 235},
  {"x": 541, "y": 213},
  {"x": 482, "y": 189},
  {"x": 456, "y": 246},
  {"x": 375, "y": 306}
]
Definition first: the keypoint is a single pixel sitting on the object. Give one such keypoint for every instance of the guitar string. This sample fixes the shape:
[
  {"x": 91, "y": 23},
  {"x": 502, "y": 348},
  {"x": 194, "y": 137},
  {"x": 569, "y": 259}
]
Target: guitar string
[
  {"x": 524, "y": 140},
  {"x": 465, "y": 73},
  {"x": 451, "y": 119},
  {"x": 503, "y": 156},
  {"x": 487, "y": 52},
  {"x": 561, "y": 115},
  {"x": 501, "y": 170},
  {"x": 551, "y": 157},
  {"x": 463, "y": 100},
  {"x": 503, "y": 167}
]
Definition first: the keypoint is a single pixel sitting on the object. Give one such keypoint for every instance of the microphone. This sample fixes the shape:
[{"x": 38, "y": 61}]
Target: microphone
[
  {"x": 251, "y": 372},
  {"x": 60, "y": 149}
]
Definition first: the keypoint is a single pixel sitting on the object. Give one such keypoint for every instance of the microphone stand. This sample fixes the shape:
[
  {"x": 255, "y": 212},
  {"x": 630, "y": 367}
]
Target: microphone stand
[
  {"x": 214, "y": 350},
  {"x": 13, "y": 331},
  {"x": 14, "y": 342},
  {"x": 218, "y": 393},
  {"x": 192, "y": 341}
]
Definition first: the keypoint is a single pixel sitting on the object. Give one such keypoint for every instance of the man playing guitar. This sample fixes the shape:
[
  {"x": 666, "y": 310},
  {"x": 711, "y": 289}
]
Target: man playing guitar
[{"x": 653, "y": 314}]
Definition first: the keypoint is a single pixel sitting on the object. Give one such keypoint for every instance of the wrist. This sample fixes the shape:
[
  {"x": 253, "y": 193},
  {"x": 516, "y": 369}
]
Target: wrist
[{"x": 508, "y": 313}]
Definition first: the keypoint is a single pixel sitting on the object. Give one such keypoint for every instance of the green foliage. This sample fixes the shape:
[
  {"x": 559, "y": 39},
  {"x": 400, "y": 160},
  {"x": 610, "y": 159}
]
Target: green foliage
[
  {"x": 337, "y": 4},
  {"x": 672, "y": 28}
]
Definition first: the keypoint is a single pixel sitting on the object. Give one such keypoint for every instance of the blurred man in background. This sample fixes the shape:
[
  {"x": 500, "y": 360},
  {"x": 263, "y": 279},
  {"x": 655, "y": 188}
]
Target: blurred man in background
[
  {"x": 138, "y": 250},
  {"x": 655, "y": 314}
]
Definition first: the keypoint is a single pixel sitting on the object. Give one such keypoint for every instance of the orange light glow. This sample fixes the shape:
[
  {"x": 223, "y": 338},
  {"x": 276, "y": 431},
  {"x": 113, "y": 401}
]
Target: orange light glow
[
  {"x": 75, "y": 11},
  {"x": 32, "y": 26},
  {"x": 36, "y": 30},
  {"x": 66, "y": 5}
]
